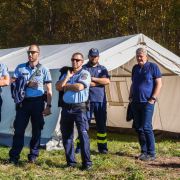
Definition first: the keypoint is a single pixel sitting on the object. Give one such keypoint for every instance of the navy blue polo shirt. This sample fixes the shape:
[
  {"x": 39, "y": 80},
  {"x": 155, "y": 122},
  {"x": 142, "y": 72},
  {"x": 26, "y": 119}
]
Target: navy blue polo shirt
[
  {"x": 144, "y": 81},
  {"x": 97, "y": 93}
]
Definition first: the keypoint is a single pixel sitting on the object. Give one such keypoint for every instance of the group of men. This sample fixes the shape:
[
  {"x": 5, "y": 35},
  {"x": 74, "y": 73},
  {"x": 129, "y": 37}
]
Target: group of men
[{"x": 84, "y": 94}]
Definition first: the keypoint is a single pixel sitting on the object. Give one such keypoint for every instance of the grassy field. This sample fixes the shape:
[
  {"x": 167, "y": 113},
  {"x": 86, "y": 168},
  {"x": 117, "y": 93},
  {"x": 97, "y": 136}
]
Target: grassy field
[{"x": 118, "y": 164}]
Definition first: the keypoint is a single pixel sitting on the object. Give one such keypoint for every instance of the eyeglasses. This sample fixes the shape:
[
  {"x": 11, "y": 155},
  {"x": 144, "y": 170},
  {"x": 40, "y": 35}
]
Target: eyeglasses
[
  {"x": 32, "y": 52},
  {"x": 77, "y": 60}
]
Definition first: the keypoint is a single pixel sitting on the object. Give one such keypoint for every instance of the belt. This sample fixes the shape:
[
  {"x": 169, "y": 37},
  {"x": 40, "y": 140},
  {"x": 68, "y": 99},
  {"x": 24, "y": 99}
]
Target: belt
[
  {"x": 33, "y": 98},
  {"x": 74, "y": 105}
]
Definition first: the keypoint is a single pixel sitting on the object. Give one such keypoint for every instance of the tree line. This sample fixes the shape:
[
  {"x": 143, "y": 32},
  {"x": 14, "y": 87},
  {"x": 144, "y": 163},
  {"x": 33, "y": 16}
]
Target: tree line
[{"x": 25, "y": 22}]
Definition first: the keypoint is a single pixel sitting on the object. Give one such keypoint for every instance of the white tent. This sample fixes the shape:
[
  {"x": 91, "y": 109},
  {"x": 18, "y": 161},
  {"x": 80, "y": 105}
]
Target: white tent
[{"x": 118, "y": 55}]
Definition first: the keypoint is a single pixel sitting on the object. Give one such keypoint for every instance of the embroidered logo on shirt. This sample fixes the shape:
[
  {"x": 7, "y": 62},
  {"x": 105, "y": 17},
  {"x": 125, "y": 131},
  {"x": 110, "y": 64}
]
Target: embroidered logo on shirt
[
  {"x": 84, "y": 76},
  {"x": 38, "y": 73},
  {"x": 99, "y": 71}
]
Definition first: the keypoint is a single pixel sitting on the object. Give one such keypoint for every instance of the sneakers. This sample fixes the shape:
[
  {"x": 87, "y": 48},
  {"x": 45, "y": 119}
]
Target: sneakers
[
  {"x": 144, "y": 157},
  {"x": 140, "y": 157},
  {"x": 149, "y": 158},
  {"x": 88, "y": 167}
]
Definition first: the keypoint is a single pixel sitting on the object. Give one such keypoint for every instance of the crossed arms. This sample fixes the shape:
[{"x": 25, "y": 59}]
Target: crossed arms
[{"x": 62, "y": 85}]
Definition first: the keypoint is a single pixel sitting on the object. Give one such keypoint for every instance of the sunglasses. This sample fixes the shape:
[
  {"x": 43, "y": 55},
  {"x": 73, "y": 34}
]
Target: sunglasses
[
  {"x": 32, "y": 52},
  {"x": 77, "y": 60}
]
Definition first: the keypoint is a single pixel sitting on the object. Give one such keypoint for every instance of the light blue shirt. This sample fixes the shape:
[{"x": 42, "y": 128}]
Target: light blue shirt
[
  {"x": 84, "y": 77},
  {"x": 42, "y": 76},
  {"x": 3, "y": 72}
]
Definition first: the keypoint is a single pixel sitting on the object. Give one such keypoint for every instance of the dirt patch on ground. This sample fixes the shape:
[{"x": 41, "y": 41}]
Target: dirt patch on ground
[{"x": 163, "y": 163}]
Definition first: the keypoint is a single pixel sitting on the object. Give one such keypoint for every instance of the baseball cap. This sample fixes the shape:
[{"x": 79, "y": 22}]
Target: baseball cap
[{"x": 94, "y": 52}]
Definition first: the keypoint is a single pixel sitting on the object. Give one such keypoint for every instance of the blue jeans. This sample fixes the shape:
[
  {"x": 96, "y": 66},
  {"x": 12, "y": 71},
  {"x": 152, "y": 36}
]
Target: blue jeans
[{"x": 143, "y": 113}]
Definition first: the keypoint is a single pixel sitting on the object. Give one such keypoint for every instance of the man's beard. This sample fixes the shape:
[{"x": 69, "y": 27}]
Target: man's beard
[{"x": 92, "y": 63}]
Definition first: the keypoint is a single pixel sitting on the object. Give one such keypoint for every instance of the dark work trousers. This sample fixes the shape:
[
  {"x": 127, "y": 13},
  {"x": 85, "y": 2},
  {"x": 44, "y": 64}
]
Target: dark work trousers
[
  {"x": 100, "y": 113},
  {"x": 68, "y": 117},
  {"x": 1, "y": 101},
  {"x": 29, "y": 110},
  {"x": 143, "y": 113}
]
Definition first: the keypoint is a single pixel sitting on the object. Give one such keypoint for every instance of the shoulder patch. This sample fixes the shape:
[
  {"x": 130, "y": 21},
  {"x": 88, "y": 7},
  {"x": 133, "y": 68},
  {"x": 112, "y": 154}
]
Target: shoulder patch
[{"x": 84, "y": 76}]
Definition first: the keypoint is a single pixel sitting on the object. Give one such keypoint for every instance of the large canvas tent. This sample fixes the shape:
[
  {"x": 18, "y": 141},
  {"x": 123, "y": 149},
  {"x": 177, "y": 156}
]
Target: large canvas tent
[{"x": 118, "y": 56}]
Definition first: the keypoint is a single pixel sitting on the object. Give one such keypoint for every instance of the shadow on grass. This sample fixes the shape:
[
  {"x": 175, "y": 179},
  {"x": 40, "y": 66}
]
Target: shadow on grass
[
  {"x": 112, "y": 154},
  {"x": 3, "y": 146},
  {"x": 124, "y": 137},
  {"x": 94, "y": 152},
  {"x": 122, "y": 154},
  {"x": 169, "y": 165},
  {"x": 21, "y": 163},
  {"x": 6, "y": 162}
]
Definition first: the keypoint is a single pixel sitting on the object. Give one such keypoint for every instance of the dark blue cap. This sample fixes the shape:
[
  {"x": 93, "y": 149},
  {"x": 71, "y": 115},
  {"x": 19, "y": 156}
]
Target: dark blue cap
[{"x": 94, "y": 52}]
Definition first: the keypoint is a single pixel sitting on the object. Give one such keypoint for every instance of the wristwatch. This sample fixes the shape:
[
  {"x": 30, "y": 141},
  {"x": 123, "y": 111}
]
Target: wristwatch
[
  {"x": 153, "y": 98},
  {"x": 49, "y": 105}
]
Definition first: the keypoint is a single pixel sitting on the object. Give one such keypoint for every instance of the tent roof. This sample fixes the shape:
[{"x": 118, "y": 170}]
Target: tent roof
[{"x": 113, "y": 53}]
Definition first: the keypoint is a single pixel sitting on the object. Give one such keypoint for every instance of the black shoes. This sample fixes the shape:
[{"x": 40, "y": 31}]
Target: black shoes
[
  {"x": 103, "y": 152},
  {"x": 70, "y": 166},
  {"x": 88, "y": 167},
  {"x": 13, "y": 162},
  {"x": 149, "y": 158},
  {"x": 32, "y": 161},
  {"x": 141, "y": 156}
]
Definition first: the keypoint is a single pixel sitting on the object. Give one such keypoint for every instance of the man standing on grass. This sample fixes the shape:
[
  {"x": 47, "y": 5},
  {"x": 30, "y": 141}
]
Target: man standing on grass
[
  {"x": 76, "y": 90},
  {"x": 145, "y": 87},
  {"x": 97, "y": 97},
  {"x": 32, "y": 107}
]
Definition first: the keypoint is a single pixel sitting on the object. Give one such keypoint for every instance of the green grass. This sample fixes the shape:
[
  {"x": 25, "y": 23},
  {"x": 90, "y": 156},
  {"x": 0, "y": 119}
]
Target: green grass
[{"x": 118, "y": 164}]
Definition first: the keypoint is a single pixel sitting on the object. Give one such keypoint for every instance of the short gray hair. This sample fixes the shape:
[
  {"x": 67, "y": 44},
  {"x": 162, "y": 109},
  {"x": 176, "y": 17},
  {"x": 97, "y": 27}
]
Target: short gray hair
[
  {"x": 141, "y": 49},
  {"x": 77, "y": 53}
]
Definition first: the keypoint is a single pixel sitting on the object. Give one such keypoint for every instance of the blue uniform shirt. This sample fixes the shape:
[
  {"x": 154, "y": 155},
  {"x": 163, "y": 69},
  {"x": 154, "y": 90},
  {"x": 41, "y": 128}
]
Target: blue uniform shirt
[
  {"x": 144, "y": 81},
  {"x": 97, "y": 93},
  {"x": 42, "y": 76},
  {"x": 3, "y": 72},
  {"x": 82, "y": 76}
]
